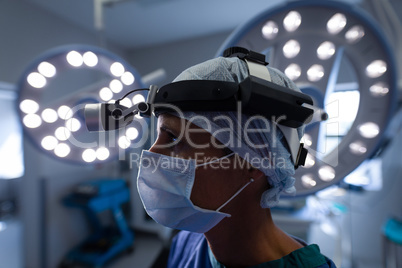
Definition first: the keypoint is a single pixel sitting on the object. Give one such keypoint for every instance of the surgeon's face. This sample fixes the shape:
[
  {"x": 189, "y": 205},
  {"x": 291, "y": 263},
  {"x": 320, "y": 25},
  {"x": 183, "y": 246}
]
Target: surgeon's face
[{"x": 214, "y": 183}]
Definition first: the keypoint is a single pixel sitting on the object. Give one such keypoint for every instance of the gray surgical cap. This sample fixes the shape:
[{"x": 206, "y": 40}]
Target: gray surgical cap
[{"x": 265, "y": 146}]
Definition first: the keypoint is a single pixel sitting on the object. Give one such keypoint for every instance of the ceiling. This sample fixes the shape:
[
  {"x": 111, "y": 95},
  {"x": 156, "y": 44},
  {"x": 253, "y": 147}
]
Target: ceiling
[
  {"x": 134, "y": 24},
  {"x": 140, "y": 23}
]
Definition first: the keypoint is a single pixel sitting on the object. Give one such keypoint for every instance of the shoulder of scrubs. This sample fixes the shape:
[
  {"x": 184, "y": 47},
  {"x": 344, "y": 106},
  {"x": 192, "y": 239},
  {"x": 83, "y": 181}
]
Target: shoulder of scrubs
[
  {"x": 189, "y": 250},
  {"x": 307, "y": 257}
]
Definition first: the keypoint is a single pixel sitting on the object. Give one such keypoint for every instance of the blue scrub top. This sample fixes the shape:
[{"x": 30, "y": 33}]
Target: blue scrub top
[{"x": 192, "y": 250}]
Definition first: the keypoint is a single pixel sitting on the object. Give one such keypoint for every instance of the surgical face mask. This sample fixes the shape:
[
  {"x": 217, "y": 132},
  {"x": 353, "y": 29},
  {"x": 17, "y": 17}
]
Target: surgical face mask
[{"x": 165, "y": 184}]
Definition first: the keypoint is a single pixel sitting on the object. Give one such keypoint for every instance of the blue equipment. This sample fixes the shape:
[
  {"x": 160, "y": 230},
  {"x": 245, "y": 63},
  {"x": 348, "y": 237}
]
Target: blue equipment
[{"x": 105, "y": 243}]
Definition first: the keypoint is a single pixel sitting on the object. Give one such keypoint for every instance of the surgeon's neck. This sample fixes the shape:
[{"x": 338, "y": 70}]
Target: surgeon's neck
[{"x": 249, "y": 239}]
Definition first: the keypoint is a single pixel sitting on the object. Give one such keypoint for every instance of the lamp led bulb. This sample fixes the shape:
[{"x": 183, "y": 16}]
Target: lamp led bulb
[
  {"x": 308, "y": 181},
  {"x": 49, "y": 115},
  {"x": 116, "y": 86},
  {"x": 293, "y": 71},
  {"x": 291, "y": 49},
  {"x": 132, "y": 133},
  {"x": 326, "y": 50},
  {"x": 326, "y": 173},
  {"x": 62, "y": 133},
  {"x": 336, "y": 23},
  {"x": 117, "y": 69},
  {"x": 105, "y": 94},
  {"x": 379, "y": 89},
  {"x": 89, "y": 155},
  {"x": 102, "y": 153},
  {"x": 124, "y": 142},
  {"x": 354, "y": 34},
  {"x": 65, "y": 112},
  {"x": 292, "y": 21},
  {"x": 376, "y": 68},
  {"x": 127, "y": 78},
  {"x": 47, "y": 69},
  {"x": 49, "y": 143},
  {"x": 369, "y": 130},
  {"x": 315, "y": 73},
  {"x": 138, "y": 98},
  {"x": 36, "y": 80},
  {"x": 32, "y": 120},
  {"x": 90, "y": 59},
  {"x": 29, "y": 106},
  {"x": 62, "y": 150},
  {"x": 270, "y": 30},
  {"x": 74, "y": 58}
]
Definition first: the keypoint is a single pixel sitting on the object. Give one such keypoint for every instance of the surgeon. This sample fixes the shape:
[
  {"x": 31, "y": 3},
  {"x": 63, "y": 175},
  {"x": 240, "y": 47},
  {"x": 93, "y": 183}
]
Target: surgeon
[{"x": 215, "y": 175}]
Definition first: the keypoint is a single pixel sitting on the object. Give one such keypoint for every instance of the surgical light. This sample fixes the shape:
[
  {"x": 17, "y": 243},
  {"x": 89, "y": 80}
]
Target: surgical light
[
  {"x": 47, "y": 69},
  {"x": 117, "y": 69},
  {"x": 379, "y": 89},
  {"x": 36, "y": 80},
  {"x": 326, "y": 173},
  {"x": 32, "y": 120},
  {"x": 315, "y": 72},
  {"x": 346, "y": 63},
  {"x": 49, "y": 115},
  {"x": 116, "y": 86},
  {"x": 326, "y": 50},
  {"x": 55, "y": 87},
  {"x": 358, "y": 147},
  {"x": 90, "y": 59},
  {"x": 293, "y": 71},
  {"x": 307, "y": 140},
  {"x": 138, "y": 98},
  {"x": 336, "y": 23},
  {"x": 308, "y": 181},
  {"x": 62, "y": 150},
  {"x": 124, "y": 142},
  {"x": 74, "y": 58},
  {"x": 127, "y": 78},
  {"x": 291, "y": 49},
  {"x": 49, "y": 143},
  {"x": 270, "y": 30},
  {"x": 369, "y": 130},
  {"x": 89, "y": 155},
  {"x": 29, "y": 106},
  {"x": 102, "y": 153},
  {"x": 73, "y": 124},
  {"x": 354, "y": 34},
  {"x": 105, "y": 94},
  {"x": 126, "y": 102},
  {"x": 64, "y": 112},
  {"x": 292, "y": 21},
  {"x": 376, "y": 69},
  {"x": 132, "y": 133},
  {"x": 309, "y": 161},
  {"x": 62, "y": 133}
]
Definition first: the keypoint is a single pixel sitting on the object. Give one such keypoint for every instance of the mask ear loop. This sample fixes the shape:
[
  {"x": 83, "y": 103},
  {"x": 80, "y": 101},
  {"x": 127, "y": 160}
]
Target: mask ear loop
[{"x": 236, "y": 194}]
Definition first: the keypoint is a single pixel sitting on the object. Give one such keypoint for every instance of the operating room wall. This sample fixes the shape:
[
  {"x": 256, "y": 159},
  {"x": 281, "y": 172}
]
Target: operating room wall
[
  {"x": 368, "y": 211},
  {"x": 49, "y": 229}
]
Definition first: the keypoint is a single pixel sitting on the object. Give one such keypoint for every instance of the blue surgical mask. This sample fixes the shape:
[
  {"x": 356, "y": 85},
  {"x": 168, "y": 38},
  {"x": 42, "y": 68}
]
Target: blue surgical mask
[{"x": 165, "y": 184}]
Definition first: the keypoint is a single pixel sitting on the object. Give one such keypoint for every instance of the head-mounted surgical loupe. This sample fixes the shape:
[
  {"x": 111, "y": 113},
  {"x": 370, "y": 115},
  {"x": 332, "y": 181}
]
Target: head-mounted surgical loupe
[{"x": 256, "y": 95}]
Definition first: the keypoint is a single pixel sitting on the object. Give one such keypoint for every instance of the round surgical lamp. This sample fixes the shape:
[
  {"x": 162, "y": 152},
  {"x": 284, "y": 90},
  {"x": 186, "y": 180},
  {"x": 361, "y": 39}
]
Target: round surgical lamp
[
  {"x": 337, "y": 54},
  {"x": 53, "y": 91}
]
